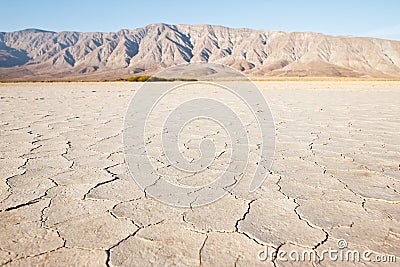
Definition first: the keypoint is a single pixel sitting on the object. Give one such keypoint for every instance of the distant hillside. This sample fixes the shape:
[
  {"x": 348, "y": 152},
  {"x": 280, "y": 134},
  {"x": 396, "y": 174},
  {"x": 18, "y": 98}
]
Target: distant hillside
[{"x": 42, "y": 55}]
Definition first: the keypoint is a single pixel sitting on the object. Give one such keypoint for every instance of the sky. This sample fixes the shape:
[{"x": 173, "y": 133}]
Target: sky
[{"x": 379, "y": 19}]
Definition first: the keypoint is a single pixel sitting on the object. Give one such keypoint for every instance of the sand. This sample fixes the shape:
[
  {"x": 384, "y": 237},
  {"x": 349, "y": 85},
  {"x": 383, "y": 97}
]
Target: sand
[{"x": 67, "y": 197}]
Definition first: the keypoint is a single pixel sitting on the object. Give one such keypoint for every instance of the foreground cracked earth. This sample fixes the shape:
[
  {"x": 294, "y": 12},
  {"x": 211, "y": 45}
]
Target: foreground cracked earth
[{"x": 67, "y": 198}]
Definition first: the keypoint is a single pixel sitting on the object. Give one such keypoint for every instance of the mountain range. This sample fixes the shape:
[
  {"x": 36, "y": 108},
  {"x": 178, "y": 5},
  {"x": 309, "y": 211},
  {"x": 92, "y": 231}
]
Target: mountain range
[{"x": 34, "y": 54}]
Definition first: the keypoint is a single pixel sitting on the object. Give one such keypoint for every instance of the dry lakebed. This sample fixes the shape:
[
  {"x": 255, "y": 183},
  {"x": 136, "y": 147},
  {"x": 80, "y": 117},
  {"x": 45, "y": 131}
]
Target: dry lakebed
[{"x": 67, "y": 197}]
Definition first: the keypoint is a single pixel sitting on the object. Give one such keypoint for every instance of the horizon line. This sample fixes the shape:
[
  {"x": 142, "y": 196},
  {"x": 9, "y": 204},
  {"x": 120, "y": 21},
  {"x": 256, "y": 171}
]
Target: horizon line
[{"x": 197, "y": 24}]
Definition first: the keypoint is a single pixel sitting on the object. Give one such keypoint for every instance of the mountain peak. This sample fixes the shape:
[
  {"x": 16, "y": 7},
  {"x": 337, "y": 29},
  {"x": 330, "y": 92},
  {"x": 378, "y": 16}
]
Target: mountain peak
[
  {"x": 34, "y": 30},
  {"x": 38, "y": 54}
]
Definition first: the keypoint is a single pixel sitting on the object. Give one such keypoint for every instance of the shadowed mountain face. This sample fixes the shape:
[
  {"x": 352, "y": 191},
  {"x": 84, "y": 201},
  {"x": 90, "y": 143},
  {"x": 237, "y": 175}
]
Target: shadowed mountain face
[{"x": 42, "y": 55}]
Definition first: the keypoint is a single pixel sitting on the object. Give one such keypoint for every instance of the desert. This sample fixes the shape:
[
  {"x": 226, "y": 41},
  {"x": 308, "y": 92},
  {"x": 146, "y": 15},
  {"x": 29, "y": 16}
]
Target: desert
[{"x": 67, "y": 196}]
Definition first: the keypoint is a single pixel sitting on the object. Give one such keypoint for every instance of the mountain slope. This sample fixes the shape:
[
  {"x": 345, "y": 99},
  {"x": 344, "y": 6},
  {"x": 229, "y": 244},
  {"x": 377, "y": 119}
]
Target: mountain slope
[{"x": 42, "y": 55}]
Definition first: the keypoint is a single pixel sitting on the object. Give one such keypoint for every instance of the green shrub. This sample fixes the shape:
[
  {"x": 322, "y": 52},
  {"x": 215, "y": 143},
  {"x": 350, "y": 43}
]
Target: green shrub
[{"x": 154, "y": 79}]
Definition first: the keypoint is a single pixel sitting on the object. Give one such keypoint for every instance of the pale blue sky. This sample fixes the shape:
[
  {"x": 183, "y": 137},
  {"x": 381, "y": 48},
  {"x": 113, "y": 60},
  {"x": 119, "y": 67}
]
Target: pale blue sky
[{"x": 352, "y": 17}]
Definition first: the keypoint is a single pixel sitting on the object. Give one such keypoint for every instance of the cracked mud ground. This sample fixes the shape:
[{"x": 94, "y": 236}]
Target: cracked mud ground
[{"x": 67, "y": 199}]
